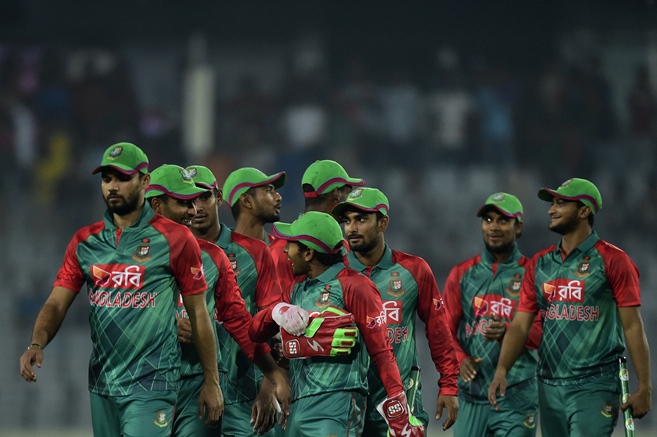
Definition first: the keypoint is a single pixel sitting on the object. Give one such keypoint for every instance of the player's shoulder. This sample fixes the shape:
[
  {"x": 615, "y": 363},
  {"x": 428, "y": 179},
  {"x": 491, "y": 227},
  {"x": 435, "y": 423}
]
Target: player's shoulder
[
  {"x": 252, "y": 245},
  {"x": 170, "y": 228},
  {"x": 606, "y": 248},
  {"x": 94, "y": 228},
  {"x": 215, "y": 252},
  {"x": 543, "y": 253},
  {"x": 413, "y": 263}
]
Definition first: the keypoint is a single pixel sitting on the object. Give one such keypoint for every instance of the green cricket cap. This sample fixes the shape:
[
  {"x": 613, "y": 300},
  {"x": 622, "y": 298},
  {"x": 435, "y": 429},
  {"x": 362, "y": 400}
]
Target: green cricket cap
[
  {"x": 574, "y": 190},
  {"x": 203, "y": 177},
  {"x": 124, "y": 157},
  {"x": 365, "y": 199},
  {"x": 174, "y": 181},
  {"x": 239, "y": 182},
  {"x": 505, "y": 203},
  {"x": 325, "y": 176},
  {"x": 316, "y": 230}
]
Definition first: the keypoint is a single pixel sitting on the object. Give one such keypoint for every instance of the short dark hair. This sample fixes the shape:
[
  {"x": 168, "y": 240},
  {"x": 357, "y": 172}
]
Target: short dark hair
[
  {"x": 163, "y": 198},
  {"x": 327, "y": 259},
  {"x": 235, "y": 210}
]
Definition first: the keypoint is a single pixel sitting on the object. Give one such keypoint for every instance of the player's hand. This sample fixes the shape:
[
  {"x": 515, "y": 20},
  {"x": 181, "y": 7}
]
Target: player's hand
[
  {"x": 452, "y": 405},
  {"x": 499, "y": 383},
  {"x": 495, "y": 329},
  {"x": 283, "y": 396},
  {"x": 333, "y": 332},
  {"x": 265, "y": 409},
  {"x": 639, "y": 401},
  {"x": 184, "y": 330},
  {"x": 396, "y": 414},
  {"x": 469, "y": 368},
  {"x": 211, "y": 401},
  {"x": 33, "y": 356},
  {"x": 292, "y": 318}
]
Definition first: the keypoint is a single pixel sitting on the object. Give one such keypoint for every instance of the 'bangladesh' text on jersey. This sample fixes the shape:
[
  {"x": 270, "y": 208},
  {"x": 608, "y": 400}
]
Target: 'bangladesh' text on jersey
[
  {"x": 408, "y": 288},
  {"x": 577, "y": 298},
  {"x": 133, "y": 277},
  {"x": 475, "y": 290}
]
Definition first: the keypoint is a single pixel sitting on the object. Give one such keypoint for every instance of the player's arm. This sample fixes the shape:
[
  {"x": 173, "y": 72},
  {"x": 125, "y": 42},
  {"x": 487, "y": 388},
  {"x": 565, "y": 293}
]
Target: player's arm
[
  {"x": 204, "y": 339},
  {"x": 431, "y": 310},
  {"x": 364, "y": 302},
  {"x": 47, "y": 324},
  {"x": 637, "y": 345},
  {"x": 516, "y": 336}
]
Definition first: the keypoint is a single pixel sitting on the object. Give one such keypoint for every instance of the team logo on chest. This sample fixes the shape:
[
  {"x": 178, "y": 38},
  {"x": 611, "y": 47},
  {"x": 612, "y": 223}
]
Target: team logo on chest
[
  {"x": 161, "y": 419},
  {"x": 324, "y": 297},
  {"x": 395, "y": 285},
  {"x": 584, "y": 268},
  {"x": 233, "y": 262},
  {"x": 143, "y": 251},
  {"x": 530, "y": 421},
  {"x": 513, "y": 289}
]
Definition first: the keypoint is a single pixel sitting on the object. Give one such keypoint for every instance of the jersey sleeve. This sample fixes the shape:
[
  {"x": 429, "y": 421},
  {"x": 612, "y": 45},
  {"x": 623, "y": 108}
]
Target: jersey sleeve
[
  {"x": 268, "y": 289},
  {"x": 70, "y": 274},
  {"x": 362, "y": 299},
  {"x": 528, "y": 302},
  {"x": 263, "y": 326},
  {"x": 454, "y": 308},
  {"x": 230, "y": 307},
  {"x": 431, "y": 311},
  {"x": 186, "y": 262},
  {"x": 622, "y": 275}
]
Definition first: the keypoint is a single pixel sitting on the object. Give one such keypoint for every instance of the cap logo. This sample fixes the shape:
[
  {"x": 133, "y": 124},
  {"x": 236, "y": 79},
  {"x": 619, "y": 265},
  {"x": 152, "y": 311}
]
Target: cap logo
[
  {"x": 115, "y": 153},
  {"x": 192, "y": 172},
  {"x": 498, "y": 197},
  {"x": 356, "y": 193},
  {"x": 186, "y": 175}
]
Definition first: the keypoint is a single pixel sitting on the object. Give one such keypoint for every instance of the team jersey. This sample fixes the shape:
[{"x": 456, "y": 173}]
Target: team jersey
[
  {"x": 251, "y": 263},
  {"x": 344, "y": 288},
  {"x": 133, "y": 278},
  {"x": 283, "y": 265},
  {"x": 475, "y": 290},
  {"x": 577, "y": 298},
  {"x": 408, "y": 288},
  {"x": 226, "y": 307}
]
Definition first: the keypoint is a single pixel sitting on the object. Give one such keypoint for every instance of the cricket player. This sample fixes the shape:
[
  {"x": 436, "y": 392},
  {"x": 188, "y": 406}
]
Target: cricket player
[
  {"x": 174, "y": 194},
  {"x": 481, "y": 295},
  {"x": 586, "y": 291},
  {"x": 329, "y": 393},
  {"x": 250, "y": 402},
  {"x": 254, "y": 201},
  {"x": 325, "y": 183},
  {"x": 135, "y": 264},
  {"x": 407, "y": 289}
]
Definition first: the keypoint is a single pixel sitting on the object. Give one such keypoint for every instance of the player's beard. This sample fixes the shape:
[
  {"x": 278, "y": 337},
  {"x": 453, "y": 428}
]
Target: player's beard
[
  {"x": 364, "y": 246},
  {"x": 126, "y": 205},
  {"x": 566, "y": 226},
  {"x": 501, "y": 249}
]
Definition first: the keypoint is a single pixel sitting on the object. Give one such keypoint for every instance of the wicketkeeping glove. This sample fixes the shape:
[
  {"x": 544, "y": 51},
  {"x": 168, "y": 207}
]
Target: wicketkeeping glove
[
  {"x": 292, "y": 318},
  {"x": 331, "y": 333},
  {"x": 400, "y": 422}
]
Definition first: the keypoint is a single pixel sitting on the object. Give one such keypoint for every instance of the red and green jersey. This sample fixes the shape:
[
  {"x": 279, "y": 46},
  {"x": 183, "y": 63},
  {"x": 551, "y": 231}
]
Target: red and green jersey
[
  {"x": 408, "y": 289},
  {"x": 226, "y": 307},
  {"x": 251, "y": 263},
  {"x": 133, "y": 278},
  {"x": 577, "y": 297},
  {"x": 283, "y": 265},
  {"x": 344, "y": 288},
  {"x": 477, "y": 289}
]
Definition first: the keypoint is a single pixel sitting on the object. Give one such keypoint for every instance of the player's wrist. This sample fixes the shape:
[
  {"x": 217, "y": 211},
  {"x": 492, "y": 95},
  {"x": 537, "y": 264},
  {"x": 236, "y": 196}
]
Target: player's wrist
[{"x": 35, "y": 346}]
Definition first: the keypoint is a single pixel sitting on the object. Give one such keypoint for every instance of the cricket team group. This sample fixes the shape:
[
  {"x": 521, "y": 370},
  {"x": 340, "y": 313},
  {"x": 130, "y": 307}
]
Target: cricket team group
[{"x": 308, "y": 328}]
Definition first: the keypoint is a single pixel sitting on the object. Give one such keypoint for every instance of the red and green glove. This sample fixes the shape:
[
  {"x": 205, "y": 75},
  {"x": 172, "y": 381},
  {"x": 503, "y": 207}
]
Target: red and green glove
[
  {"x": 401, "y": 423},
  {"x": 333, "y": 332}
]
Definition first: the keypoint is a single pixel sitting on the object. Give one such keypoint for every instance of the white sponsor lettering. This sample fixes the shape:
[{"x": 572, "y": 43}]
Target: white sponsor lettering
[
  {"x": 392, "y": 312},
  {"x": 502, "y": 307},
  {"x": 570, "y": 292}
]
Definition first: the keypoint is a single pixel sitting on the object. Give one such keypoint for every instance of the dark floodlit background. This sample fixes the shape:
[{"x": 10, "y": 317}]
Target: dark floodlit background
[{"x": 437, "y": 103}]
